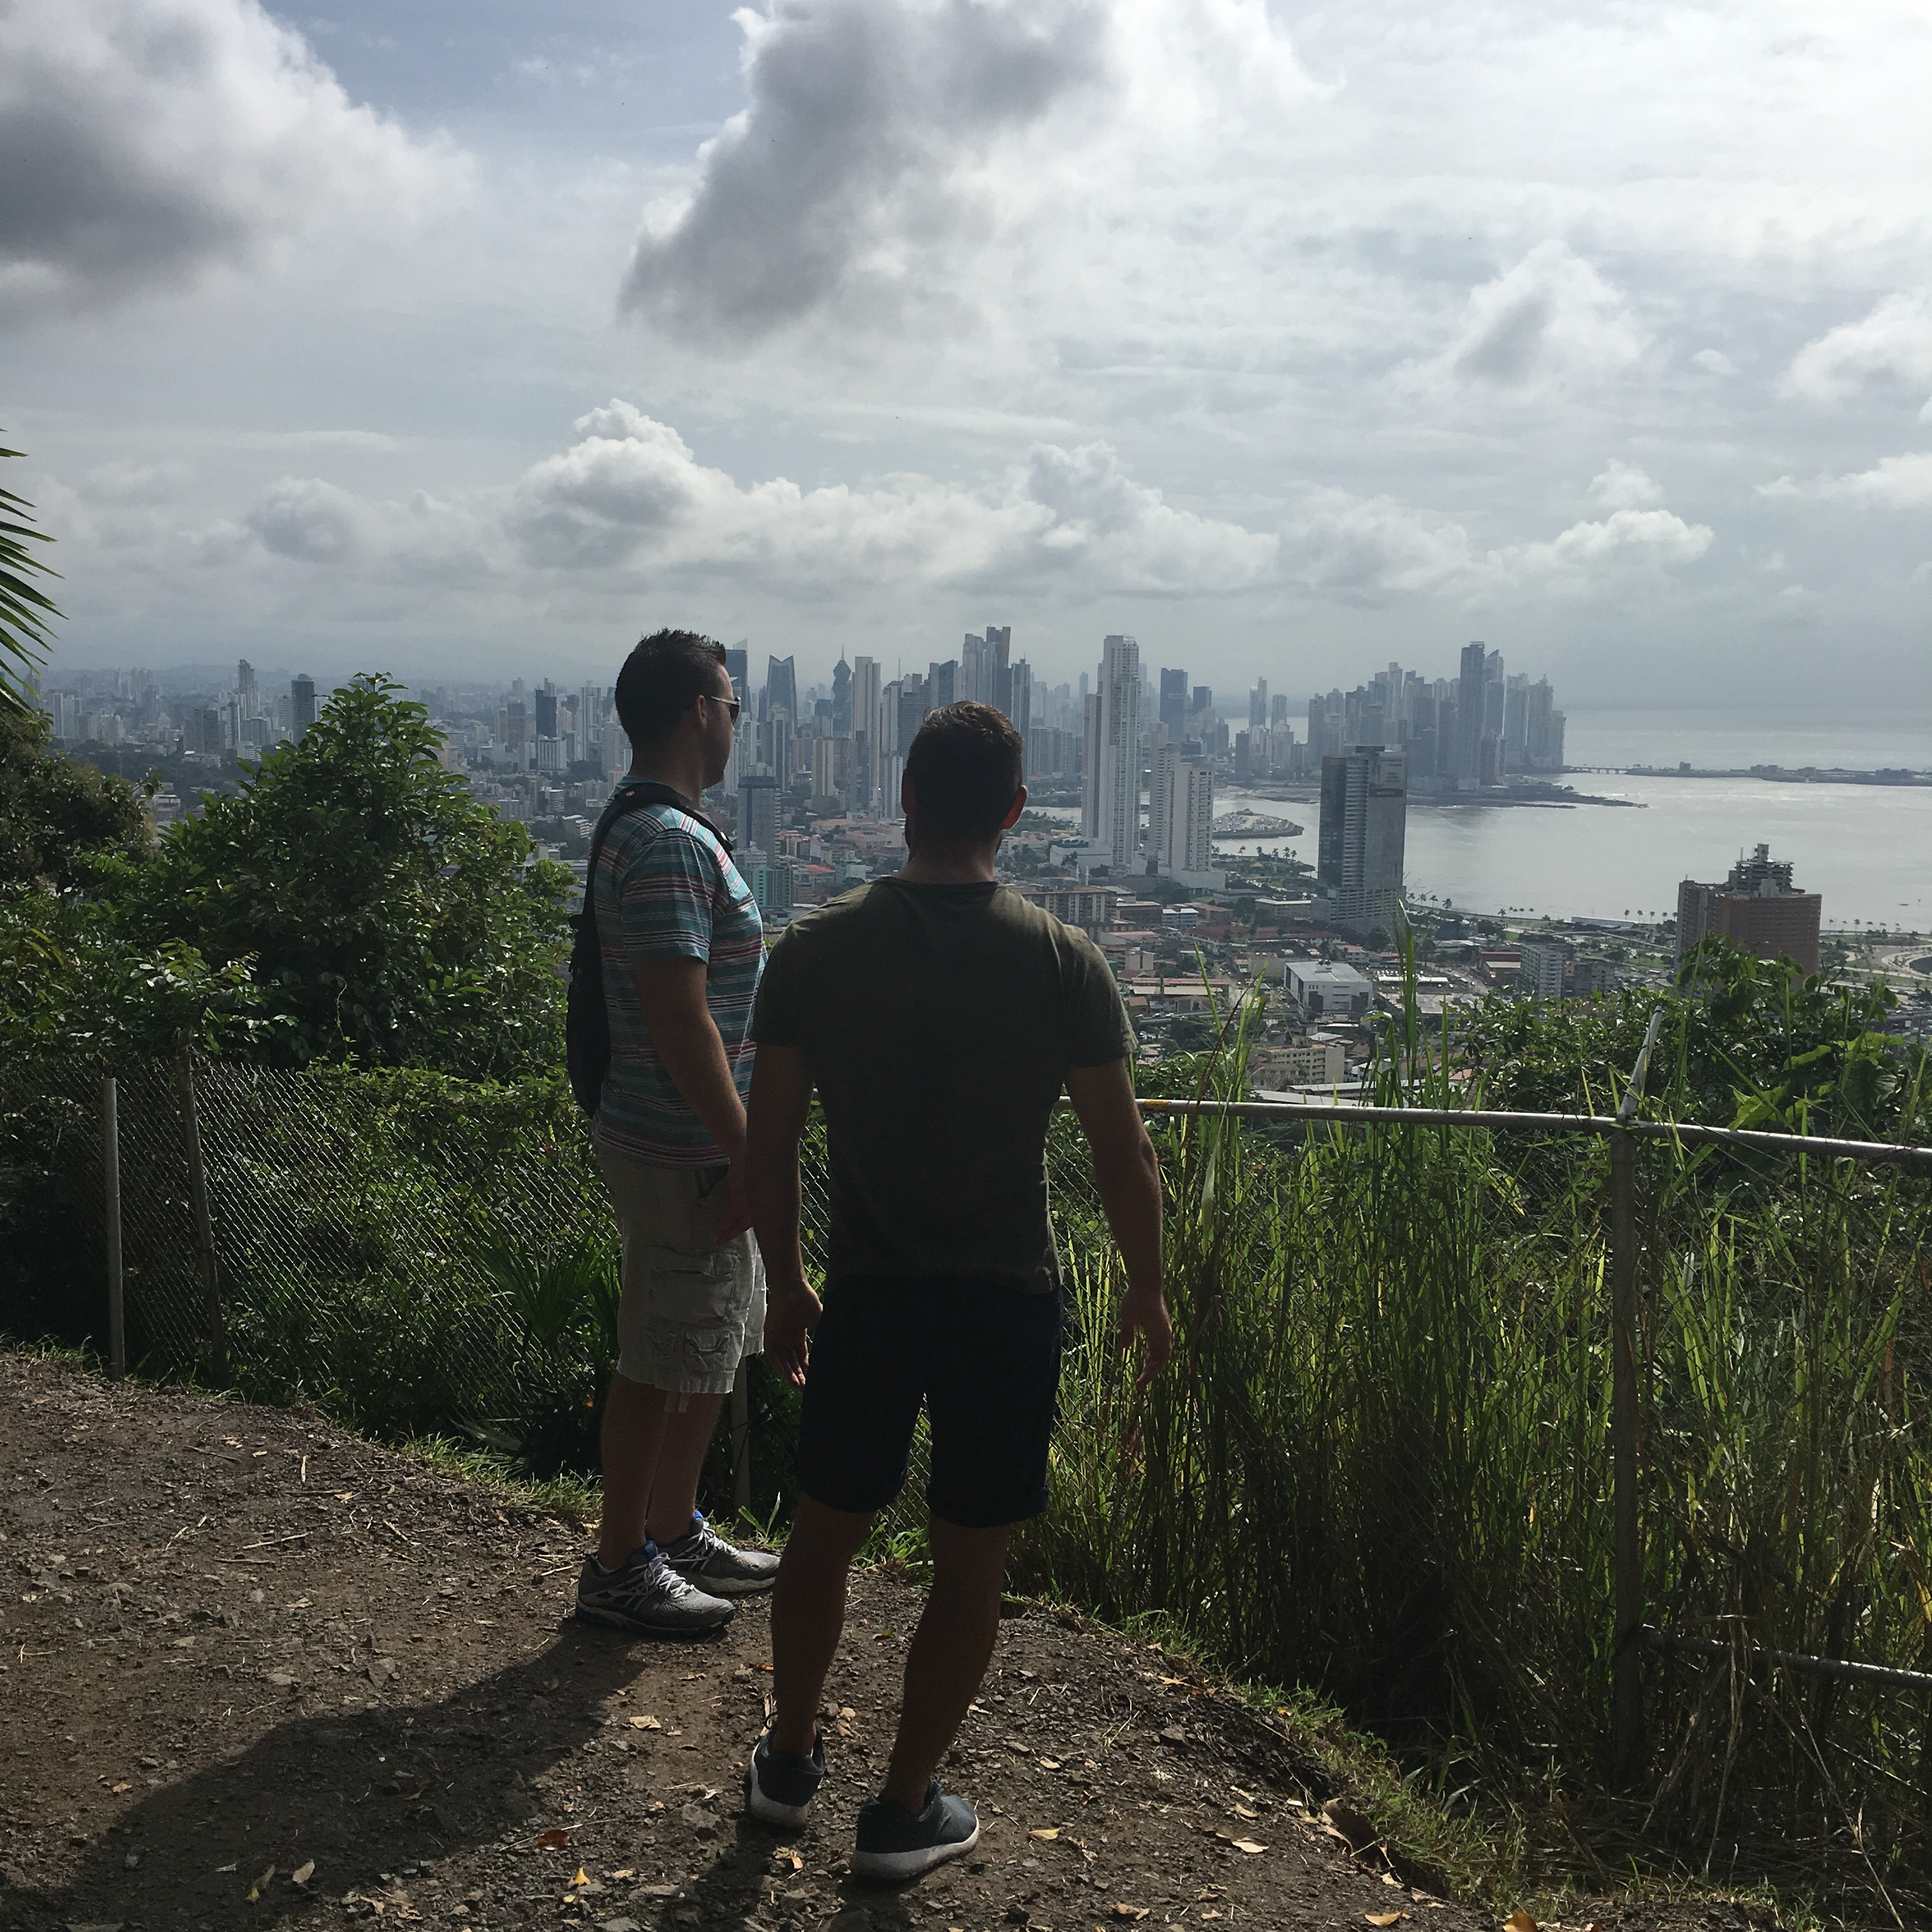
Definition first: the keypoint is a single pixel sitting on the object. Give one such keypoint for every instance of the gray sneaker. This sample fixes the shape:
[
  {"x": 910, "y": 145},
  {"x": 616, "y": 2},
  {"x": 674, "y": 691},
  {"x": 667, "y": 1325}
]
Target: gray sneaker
[
  {"x": 648, "y": 1596},
  {"x": 894, "y": 1844},
  {"x": 703, "y": 1558}
]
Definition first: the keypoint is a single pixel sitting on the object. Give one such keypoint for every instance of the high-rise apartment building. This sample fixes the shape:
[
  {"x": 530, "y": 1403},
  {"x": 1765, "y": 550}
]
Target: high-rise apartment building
[
  {"x": 865, "y": 708},
  {"x": 758, "y": 811},
  {"x": 1363, "y": 832},
  {"x": 1543, "y": 962},
  {"x": 1111, "y": 806},
  {"x": 301, "y": 703},
  {"x": 1757, "y": 909},
  {"x": 1180, "y": 814}
]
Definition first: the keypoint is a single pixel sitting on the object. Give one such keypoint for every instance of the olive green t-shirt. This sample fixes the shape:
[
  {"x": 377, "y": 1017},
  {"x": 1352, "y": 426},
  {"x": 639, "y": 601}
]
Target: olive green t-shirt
[{"x": 938, "y": 1023}]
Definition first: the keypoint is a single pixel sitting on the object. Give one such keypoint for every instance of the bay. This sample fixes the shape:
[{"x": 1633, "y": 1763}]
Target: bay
[{"x": 1867, "y": 849}]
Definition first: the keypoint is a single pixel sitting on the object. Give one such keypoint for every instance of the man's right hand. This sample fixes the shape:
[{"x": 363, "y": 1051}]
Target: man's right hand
[
  {"x": 1145, "y": 1314},
  {"x": 791, "y": 1313}
]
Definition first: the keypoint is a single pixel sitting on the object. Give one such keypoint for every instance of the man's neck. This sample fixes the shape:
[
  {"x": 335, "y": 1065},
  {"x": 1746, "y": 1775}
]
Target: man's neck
[
  {"x": 667, "y": 767},
  {"x": 950, "y": 865}
]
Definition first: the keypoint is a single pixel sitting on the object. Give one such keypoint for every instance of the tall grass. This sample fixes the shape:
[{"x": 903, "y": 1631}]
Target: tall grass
[{"x": 1380, "y": 1465}]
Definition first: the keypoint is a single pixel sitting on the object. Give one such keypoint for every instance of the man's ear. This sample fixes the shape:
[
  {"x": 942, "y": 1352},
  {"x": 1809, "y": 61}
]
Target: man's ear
[{"x": 1014, "y": 810}]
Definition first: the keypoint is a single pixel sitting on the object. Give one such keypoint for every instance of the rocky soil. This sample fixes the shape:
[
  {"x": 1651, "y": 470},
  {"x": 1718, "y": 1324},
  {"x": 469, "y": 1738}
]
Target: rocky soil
[{"x": 255, "y": 1672}]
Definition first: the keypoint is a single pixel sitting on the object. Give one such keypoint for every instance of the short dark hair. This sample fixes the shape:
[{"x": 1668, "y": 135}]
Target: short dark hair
[
  {"x": 659, "y": 679},
  {"x": 966, "y": 763}
]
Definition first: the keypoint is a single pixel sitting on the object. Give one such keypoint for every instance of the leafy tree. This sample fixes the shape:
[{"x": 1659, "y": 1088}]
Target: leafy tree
[
  {"x": 62, "y": 825},
  {"x": 72, "y": 981},
  {"x": 24, "y": 609},
  {"x": 1746, "y": 1043},
  {"x": 387, "y": 917}
]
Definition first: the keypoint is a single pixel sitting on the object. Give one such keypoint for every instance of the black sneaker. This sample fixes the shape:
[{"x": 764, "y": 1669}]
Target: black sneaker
[
  {"x": 780, "y": 1785},
  {"x": 648, "y": 1596},
  {"x": 703, "y": 1558},
  {"x": 895, "y": 1844}
]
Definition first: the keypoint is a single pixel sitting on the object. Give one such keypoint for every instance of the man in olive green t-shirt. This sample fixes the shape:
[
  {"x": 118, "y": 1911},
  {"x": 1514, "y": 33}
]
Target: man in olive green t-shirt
[{"x": 939, "y": 1015}]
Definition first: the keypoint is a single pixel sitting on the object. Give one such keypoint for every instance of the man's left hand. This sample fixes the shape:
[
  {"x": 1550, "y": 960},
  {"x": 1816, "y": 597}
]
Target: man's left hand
[{"x": 791, "y": 1312}]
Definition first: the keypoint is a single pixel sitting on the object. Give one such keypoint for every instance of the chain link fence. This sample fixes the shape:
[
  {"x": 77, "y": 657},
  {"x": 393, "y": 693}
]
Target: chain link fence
[{"x": 368, "y": 1231}]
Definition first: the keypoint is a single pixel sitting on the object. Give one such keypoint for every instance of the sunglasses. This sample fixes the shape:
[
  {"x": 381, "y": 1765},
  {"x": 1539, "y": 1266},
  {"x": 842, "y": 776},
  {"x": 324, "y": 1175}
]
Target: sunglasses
[{"x": 733, "y": 705}]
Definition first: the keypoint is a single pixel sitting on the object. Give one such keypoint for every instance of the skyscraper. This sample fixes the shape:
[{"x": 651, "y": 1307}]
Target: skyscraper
[
  {"x": 865, "y": 702},
  {"x": 301, "y": 703},
  {"x": 1364, "y": 825},
  {"x": 1470, "y": 706},
  {"x": 841, "y": 698},
  {"x": 1111, "y": 808},
  {"x": 758, "y": 810},
  {"x": 781, "y": 688},
  {"x": 1174, "y": 705}
]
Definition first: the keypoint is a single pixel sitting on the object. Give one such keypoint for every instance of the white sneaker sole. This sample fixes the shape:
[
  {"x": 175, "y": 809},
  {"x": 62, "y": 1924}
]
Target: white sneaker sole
[
  {"x": 891, "y": 1866},
  {"x": 731, "y": 1586},
  {"x": 768, "y": 1810},
  {"x": 617, "y": 1621}
]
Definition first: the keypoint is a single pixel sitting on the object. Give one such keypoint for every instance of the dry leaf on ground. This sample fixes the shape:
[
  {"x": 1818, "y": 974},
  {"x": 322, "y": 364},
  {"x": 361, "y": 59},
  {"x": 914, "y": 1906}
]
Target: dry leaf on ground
[{"x": 303, "y": 1873}]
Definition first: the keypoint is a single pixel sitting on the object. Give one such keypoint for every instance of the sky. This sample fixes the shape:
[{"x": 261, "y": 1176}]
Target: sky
[{"x": 470, "y": 339}]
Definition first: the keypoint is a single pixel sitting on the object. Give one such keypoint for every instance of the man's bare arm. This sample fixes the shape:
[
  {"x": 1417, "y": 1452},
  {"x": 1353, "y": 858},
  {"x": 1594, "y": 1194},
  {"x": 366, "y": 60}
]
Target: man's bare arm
[
  {"x": 781, "y": 1101},
  {"x": 671, "y": 993},
  {"x": 1127, "y": 1173}
]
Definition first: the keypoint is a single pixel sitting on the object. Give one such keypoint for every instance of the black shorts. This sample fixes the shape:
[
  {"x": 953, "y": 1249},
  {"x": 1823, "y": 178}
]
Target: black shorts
[{"x": 984, "y": 1358}]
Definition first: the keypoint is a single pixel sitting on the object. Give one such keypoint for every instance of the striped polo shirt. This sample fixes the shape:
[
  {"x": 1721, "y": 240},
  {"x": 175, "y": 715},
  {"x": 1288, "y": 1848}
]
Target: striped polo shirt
[{"x": 666, "y": 888}]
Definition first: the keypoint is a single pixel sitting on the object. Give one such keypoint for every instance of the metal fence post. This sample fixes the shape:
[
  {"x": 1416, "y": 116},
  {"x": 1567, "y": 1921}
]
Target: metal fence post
[
  {"x": 204, "y": 1223},
  {"x": 1626, "y": 1655},
  {"x": 110, "y": 1178},
  {"x": 1626, "y": 1663}
]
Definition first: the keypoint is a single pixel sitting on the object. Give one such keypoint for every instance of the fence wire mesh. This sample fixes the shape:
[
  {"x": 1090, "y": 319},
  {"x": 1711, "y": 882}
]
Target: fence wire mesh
[{"x": 361, "y": 1224}]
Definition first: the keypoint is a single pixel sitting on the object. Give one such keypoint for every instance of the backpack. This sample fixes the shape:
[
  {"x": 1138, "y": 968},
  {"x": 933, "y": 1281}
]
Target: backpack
[{"x": 587, "y": 1024}]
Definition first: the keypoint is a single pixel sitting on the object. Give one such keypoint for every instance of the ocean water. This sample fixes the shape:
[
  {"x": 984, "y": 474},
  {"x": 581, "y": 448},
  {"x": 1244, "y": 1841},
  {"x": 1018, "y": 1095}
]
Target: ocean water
[{"x": 1867, "y": 848}]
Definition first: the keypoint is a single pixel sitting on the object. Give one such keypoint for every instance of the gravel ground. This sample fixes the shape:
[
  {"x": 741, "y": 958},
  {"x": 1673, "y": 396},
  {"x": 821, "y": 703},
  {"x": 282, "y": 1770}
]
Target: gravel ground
[{"x": 255, "y": 1672}]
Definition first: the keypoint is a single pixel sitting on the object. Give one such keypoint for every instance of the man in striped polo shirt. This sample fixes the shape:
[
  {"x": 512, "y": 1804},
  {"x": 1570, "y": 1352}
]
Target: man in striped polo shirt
[{"x": 683, "y": 948}]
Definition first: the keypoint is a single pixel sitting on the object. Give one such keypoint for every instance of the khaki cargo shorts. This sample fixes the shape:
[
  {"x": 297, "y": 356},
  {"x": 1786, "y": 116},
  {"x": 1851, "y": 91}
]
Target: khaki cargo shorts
[{"x": 690, "y": 1310}]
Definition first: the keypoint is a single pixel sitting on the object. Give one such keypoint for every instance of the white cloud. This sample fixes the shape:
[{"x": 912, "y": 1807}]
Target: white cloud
[
  {"x": 1642, "y": 539},
  {"x": 142, "y": 141},
  {"x": 310, "y": 521},
  {"x": 1622, "y": 486},
  {"x": 629, "y": 503},
  {"x": 630, "y": 494},
  {"x": 1715, "y": 361},
  {"x": 888, "y": 145},
  {"x": 1892, "y": 345},
  {"x": 1895, "y": 483},
  {"x": 1551, "y": 322}
]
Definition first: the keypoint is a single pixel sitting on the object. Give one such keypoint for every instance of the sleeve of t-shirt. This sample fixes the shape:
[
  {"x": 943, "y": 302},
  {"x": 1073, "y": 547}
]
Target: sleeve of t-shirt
[
  {"x": 665, "y": 895},
  {"x": 1102, "y": 1032},
  {"x": 775, "y": 1016}
]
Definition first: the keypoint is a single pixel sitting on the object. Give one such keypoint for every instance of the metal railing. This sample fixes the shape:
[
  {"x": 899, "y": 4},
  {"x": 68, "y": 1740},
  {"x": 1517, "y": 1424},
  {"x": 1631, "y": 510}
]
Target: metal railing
[{"x": 1623, "y": 1130}]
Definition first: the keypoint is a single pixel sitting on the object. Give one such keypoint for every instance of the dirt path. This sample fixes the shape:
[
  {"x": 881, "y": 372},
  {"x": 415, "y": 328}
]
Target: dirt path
[{"x": 235, "y": 1642}]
